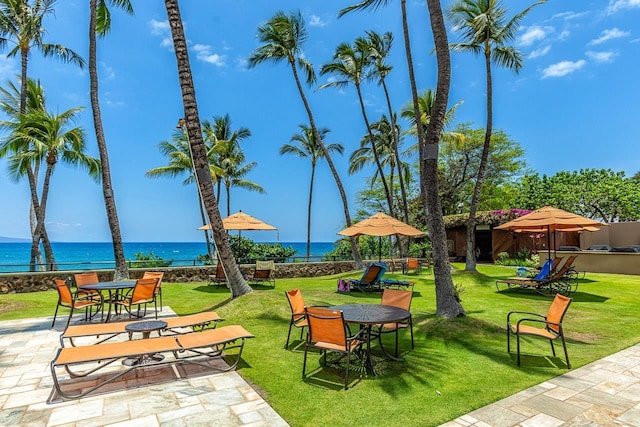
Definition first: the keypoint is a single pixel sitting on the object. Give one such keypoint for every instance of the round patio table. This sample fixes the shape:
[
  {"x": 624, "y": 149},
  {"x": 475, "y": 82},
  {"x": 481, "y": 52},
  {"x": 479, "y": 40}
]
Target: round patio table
[
  {"x": 114, "y": 288},
  {"x": 367, "y": 315},
  {"x": 145, "y": 327}
]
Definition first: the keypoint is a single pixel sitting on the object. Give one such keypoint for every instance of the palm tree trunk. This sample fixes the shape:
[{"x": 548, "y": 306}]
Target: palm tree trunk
[
  {"x": 121, "y": 268},
  {"x": 227, "y": 192},
  {"x": 375, "y": 151},
  {"x": 237, "y": 283},
  {"x": 313, "y": 173},
  {"x": 206, "y": 232},
  {"x": 357, "y": 259},
  {"x": 40, "y": 216},
  {"x": 470, "y": 262}
]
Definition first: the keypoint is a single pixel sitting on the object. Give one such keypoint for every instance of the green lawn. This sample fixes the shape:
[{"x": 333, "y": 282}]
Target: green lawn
[{"x": 458, "y": 365}]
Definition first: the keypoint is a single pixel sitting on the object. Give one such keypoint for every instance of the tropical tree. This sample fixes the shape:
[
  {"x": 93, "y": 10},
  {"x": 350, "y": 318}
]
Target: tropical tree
[
  {"x": 447, "y": 304},
  {"x": 307, "y": 147},
  {"x": 379, "y": 50},
  {"x": 42, "y": 137},
  {"x": 485, "y": 30},
  {"x": 351, "y": 64},
  {"x": 233, "y": 171},
  {"x": 180, "y": 163},
  {"x": 204, "y": 180},
  {"x": 283, "y": 37},
  {"x": 100, "y": 24},
  {"x": 21, "y": 24}
]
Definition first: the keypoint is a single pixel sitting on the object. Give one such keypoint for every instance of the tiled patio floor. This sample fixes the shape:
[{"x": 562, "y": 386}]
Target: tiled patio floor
[{"x": 27, "y": 346}]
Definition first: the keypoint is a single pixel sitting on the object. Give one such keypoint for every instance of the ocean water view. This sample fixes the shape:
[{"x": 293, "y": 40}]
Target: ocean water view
[{"x": 14, "y": 257}]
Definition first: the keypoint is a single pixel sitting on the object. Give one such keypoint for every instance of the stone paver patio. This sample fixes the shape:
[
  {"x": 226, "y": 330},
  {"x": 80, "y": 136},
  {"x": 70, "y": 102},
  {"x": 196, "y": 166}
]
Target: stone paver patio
[{"x": 27, "y": 346}]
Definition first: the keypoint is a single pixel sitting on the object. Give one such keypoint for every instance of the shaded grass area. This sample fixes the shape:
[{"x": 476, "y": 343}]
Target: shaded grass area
[{"x": 457, "y": 365}]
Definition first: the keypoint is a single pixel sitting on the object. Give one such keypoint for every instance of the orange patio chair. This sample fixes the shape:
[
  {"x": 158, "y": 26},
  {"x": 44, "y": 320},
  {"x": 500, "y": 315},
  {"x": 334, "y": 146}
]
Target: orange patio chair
[
  {"x": 550, "y": 326},
  {"x": 328, "y": 332},
  {"x": 144, "y": 292},
  {"x": 298, "y": 318},
  {"x": 412, "y": 264},
  {"x": 401, "y": 299},
  {"x": 88, "y": 278},
  {"x": 74, "y": 301},
  {"x": 264, "y": 272},
  {"x": 220, "y": 277},
  {"x": 159, "y": 275}
]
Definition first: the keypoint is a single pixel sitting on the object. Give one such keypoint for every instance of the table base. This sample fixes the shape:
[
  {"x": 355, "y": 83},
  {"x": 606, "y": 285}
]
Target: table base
[{"x": 147, "y": 359}]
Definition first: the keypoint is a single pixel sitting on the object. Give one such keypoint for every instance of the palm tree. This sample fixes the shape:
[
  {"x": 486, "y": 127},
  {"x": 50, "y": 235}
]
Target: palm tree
[
  {"x": 44, "y": 137},
  {"x": 351, "y": 65},
  {"x": 237, "y": 283},
  {"x": 283, "y": 36},
  {"x": 233, "y": 170},
  {"x": 308, "y": 148},
  {"x": 100, "y": 24},
  {"x": 180, "y": 163},
  {"x": 485, "y": 30},
  {"x": 21, "y": 24},
  {"x": 447, "y": 304},
  {"x": 379, "y": 49}
]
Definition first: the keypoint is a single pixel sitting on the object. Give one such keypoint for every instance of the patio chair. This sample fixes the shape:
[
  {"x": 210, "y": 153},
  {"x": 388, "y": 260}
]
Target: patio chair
[
  {"x": 144, "y": 292},
  {"x": 329, "y": 332},
  {"x": 401, "y": 299},
  {"x": 411, "y": 264},
  {"x": 559, "y": 282},
  {"x": 219, "y": 278},
  {"x": 263, "y": 273},
  {"x": 159, "y": 275},
  {"x": 83, "y": 279},
  {"x": 370, "y": 279},
  {"x": 74, "y": 300},
  {"x": 298, "y": 318},
  {"x": 551, "y": 326}
]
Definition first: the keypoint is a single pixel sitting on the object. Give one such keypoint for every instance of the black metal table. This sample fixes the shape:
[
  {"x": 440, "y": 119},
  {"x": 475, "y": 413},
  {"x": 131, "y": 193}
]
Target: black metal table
[
  {"x": 145, "y": 327},
  {"x": 367, "y": 315},
  {"x": 114, "y": 288}
]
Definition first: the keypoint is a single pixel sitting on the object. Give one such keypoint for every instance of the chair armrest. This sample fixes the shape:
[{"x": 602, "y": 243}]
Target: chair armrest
[
  {"x": 524, "y": 312},
  {"x": 559, "y": 325}
]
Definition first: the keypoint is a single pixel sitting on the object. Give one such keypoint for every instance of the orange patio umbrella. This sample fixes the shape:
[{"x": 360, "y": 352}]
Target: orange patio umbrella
[
  {"x": 549, "y": 219},
  {"x": 380, "y": 225},
  {"x": 241, "y": 221}
]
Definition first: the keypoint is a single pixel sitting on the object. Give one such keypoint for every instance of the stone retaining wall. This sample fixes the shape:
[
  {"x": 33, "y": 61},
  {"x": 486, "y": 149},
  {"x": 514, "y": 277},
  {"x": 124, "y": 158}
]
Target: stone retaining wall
[{"x": 42, "y": 281}]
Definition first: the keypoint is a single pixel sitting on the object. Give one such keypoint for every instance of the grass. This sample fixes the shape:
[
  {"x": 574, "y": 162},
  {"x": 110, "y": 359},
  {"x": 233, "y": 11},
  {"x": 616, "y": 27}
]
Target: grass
[{"x": 457, "y": 365}]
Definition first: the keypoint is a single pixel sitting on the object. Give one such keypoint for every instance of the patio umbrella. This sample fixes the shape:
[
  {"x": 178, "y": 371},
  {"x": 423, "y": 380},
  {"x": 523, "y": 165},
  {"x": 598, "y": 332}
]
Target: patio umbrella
[
  {"x": 380, "y": 225},
  {"x": 241, "y": 221},
  {"x": 548, "y": 220}
]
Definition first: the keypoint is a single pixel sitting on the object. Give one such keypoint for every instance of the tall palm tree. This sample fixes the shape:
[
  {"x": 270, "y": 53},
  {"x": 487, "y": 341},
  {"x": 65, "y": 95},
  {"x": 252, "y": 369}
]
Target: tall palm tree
[
  {"x": 180, "y": 163},
  {"x": 283, "y": 36},
  {"x": 100, "y": 24},
  {"x": 380, "y": 49},
  {"x": 237, "y": 283},
  {"x": 447, "y": 304},
  {"x": 308, "y": 148},
  {"x": 485, "y": 30},
  {"x": 351, "y": 64},
  {"x": 42, "y": 137},
  {"x": 233, "y": 170},
  {"x": 21, "y": 23}
]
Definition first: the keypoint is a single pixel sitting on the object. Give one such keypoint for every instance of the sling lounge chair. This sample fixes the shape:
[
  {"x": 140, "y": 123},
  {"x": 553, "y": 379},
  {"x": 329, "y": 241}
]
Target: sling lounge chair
[
  {"x": 370, "y": 279},
  {"x": 106, "y": 331},
  {"x": 220, "y": 278},
  {"x": 195, "y": 348},
  {"x": 549, "y": 326},
  {"x": 560, "y": 282},
  {"x": 264, "y": 272}
]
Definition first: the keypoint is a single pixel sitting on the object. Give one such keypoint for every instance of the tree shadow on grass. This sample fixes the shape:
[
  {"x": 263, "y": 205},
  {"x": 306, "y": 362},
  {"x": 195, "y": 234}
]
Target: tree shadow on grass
[{"x": 578, "y": 296}]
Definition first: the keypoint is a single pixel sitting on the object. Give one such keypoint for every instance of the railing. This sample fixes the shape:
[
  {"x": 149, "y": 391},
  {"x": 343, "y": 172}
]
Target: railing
[{"x": 110, "y": 265}]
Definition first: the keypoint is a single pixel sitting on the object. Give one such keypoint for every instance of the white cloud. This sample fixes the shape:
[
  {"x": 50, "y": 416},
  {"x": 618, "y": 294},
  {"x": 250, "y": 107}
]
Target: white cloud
[
  {"x": 601, "y": 56},
  {"x": 613, "y": 33},
  {"x": 562, "y": 68},
  {"x": 533, "y": 34},
  {"x": 616, "y": 5},
  {"x": 539, "y": 52},
  {"x": 568, "y": 16},
  {"x": 316, "y": 21},
  {"x": 203, "y": 53},
  {"x": 8, "y": 68},
  {"x": 564, "y": 35},
  {"x": 108, "y": 72},
  {"x": 162, "y": 29}
]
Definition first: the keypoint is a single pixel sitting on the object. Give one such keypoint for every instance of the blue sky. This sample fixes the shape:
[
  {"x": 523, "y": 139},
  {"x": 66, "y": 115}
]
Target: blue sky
[{"x": 574, "y": 105}]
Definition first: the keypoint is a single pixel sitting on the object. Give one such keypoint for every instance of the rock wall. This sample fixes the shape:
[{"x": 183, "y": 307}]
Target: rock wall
[{"x": 42, "y": 281}]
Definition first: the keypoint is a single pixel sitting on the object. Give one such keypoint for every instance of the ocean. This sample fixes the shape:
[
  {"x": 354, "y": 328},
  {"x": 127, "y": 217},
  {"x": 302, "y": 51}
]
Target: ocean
[{"x": 14, "y": 257}]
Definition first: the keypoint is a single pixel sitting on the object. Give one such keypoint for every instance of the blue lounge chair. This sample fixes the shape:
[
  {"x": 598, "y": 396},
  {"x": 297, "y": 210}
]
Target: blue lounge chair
[{"x": 370, "y": 279}]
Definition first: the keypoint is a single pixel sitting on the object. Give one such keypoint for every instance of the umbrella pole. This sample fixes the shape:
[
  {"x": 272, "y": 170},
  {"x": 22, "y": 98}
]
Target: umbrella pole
[
  {"x": 379, "y": 248},
  {"x": 549, "y": 242}
]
